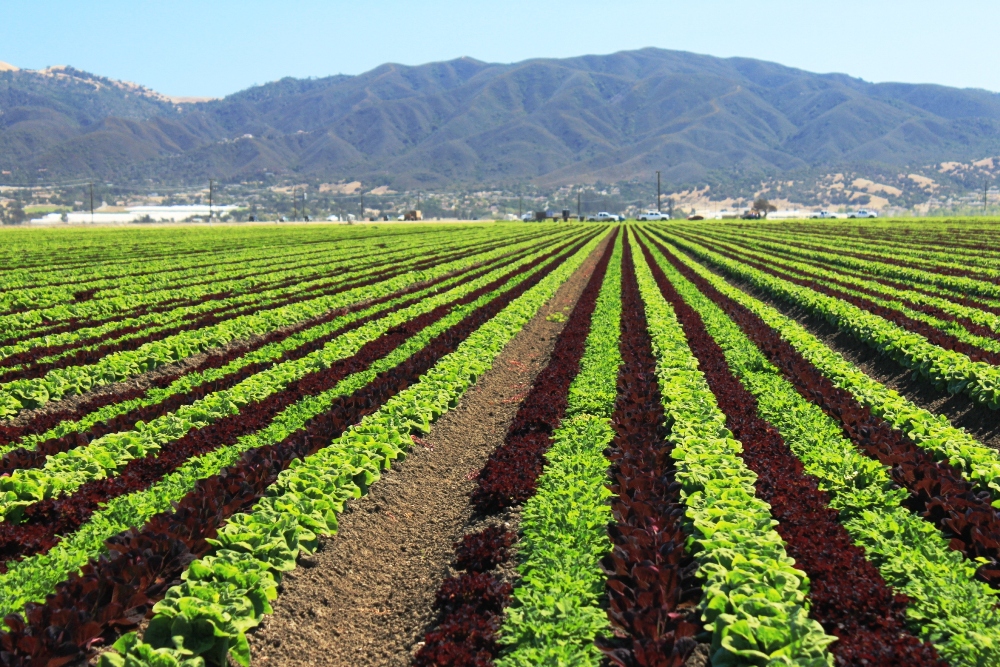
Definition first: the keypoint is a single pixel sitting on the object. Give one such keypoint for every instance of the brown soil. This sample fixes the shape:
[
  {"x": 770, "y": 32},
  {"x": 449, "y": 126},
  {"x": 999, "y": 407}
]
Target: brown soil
[
  {"x": 365, "y": 598},
  {"x": 981, "y": 422}
]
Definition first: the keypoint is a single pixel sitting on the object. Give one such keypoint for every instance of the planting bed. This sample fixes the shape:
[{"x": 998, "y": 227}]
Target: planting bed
[{"x": 657, "y": 445}]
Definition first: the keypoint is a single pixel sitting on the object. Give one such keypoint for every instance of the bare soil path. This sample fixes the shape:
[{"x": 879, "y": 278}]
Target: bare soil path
[{"x": 365, "y": 598}]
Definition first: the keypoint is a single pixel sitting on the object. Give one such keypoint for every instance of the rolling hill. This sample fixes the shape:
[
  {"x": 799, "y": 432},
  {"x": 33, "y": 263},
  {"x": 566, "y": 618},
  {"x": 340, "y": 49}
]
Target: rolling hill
[{"x": 547, "y": 121}]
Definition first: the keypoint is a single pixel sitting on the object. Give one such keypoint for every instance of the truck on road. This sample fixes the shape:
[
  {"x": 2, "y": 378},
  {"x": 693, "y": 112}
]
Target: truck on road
[
  {"x": 604, "y": 216},
  {"x": 651, "y": 215}
]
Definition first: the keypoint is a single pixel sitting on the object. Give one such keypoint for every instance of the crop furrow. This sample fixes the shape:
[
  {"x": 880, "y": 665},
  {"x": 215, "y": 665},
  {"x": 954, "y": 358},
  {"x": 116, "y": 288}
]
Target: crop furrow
[
  {"x": 848, "y": 595},
  {"x": 118, "y": 590},
  {"x": 652, "y": 590},
  {"x": 48, "y": 519},
  {"x": 35, "y": 456},
  {"x": 39, "y": 362},
  {"x": 938, "y": 491},
  {"x": 472, "y": 604}
]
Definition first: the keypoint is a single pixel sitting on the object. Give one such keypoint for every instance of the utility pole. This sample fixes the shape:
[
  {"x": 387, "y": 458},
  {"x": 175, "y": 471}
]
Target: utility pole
[
  {"x": 579, "y": 214},
  {"x": 520, "y": 206},
  {"x": 362, "y": 218},
  {"x": 211, "y": 191},
  {"x": 985, "y": 191},
  {"x": 657, "y": 192},
  {"x": 295, "y": 205},
  {"x": 91, "y": 203}
]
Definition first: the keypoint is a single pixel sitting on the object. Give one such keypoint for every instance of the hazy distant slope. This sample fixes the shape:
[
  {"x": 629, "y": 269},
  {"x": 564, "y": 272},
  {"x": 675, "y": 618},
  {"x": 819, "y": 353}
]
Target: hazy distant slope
[{"x": 579, "y": 119}]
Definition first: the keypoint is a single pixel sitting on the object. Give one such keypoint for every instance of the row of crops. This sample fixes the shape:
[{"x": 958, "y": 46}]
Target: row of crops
[{"x": 699, "y": 478}]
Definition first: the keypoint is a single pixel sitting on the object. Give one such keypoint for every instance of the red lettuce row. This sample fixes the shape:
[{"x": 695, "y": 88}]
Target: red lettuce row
[
  {"x": 928, "y": 331},
  {"x": 938, "y": 491},
  {"x": 949, "y": 293},
  {"x": 34, "y": 457},
  {"x": 177, "y": 302},
  {"x": 158, "y": 292},
  {"x": 181, "y": 301},
  {"x": 212, "y": 265},
  {"x": 49, "y": 419},
  {"x": 848, "y": 595},
  {"x": 467, "y": 631},
  {"x": 45, "y": 521},
  {"x": 882, "y": 259},
  {"x": 652, "y": 589},
  {"x": 116, "y": 591},
  {"x": 36, "y": 367},
  {"x": 844, "y": 282}
]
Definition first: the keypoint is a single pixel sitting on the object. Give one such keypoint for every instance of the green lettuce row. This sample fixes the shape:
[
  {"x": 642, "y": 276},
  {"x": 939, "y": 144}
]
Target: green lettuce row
[
  {"x": 154, "y": 322},
  {"x": 76, "y": 380},
  {"x": 187, "y": 382},
  {"x": 923, "y": 258},
  {"x": 33, "y": 577},
  {"x": 556, "y": 609},
  {"x": 130, "y": 296},
  {"x": 754, "y": 600},
  {"x": 950, "y": 370},
  {"x": 961, "y": 284},
  {"x": 948, "y": 606},
  {"x": 783, "y": 254},
  {"x": 211, "y": 618},
  {"x": 22, "y": 324},
  {"x": 894, "y": 247},
  {"x": 979, "y": 464},
  {"x": 265, "y": 245},
  {"x": 890, "y": 298},
  {"x": 65, "y": 472}
]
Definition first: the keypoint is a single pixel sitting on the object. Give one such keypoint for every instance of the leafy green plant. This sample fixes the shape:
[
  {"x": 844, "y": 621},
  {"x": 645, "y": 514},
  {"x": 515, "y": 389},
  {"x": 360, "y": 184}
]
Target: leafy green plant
[
  {"x": 556, "y": 610},
  {"x": 948, "y": 606},
  {"x": 950, "y": 370},
  {"x": 754, "y": 599},
  {"x": 980, "y": 464},
  {"x": 32, "y": 577},
  {"x": 317, "y": 486},
  {"x": 67, "y": 471}
]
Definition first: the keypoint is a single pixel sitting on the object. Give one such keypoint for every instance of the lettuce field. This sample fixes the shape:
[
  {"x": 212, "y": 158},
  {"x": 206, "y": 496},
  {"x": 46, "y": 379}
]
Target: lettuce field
[{"x": 756, "y": 444}]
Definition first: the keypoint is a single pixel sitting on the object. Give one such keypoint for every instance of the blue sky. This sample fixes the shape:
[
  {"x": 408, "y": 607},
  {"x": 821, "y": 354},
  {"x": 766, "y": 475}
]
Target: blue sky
[{"x": 214, "y": 48}]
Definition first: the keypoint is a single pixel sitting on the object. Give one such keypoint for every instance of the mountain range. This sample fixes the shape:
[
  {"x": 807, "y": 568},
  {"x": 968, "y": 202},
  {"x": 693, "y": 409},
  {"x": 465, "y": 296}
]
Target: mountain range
[{"x": 547, "y": 122}]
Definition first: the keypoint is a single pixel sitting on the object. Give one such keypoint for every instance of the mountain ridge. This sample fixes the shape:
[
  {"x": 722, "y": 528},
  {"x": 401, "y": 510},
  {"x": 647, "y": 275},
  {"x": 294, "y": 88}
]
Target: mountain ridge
[{"x": 546, "y": 122}]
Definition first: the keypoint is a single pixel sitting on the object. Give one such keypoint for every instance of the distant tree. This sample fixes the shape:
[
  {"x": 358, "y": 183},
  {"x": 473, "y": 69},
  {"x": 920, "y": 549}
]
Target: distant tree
[
  {"x": 13, "y": 214},
  {"x": 763, "y": 207}
]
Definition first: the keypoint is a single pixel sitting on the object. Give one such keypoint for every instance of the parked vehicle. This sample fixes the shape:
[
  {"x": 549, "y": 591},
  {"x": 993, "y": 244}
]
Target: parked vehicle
[
  {"x": 863, "y": 213},
  {"x": 824, "y": 215},
  {"x": 604, "y": 216},
  {"x": 651, "y": 215},
  {"x": 549, "y": 213}
]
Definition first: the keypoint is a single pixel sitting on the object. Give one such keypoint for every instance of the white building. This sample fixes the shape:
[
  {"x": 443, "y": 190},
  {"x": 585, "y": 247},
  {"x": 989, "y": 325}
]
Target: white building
[{"x": 136, "y": 213}]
